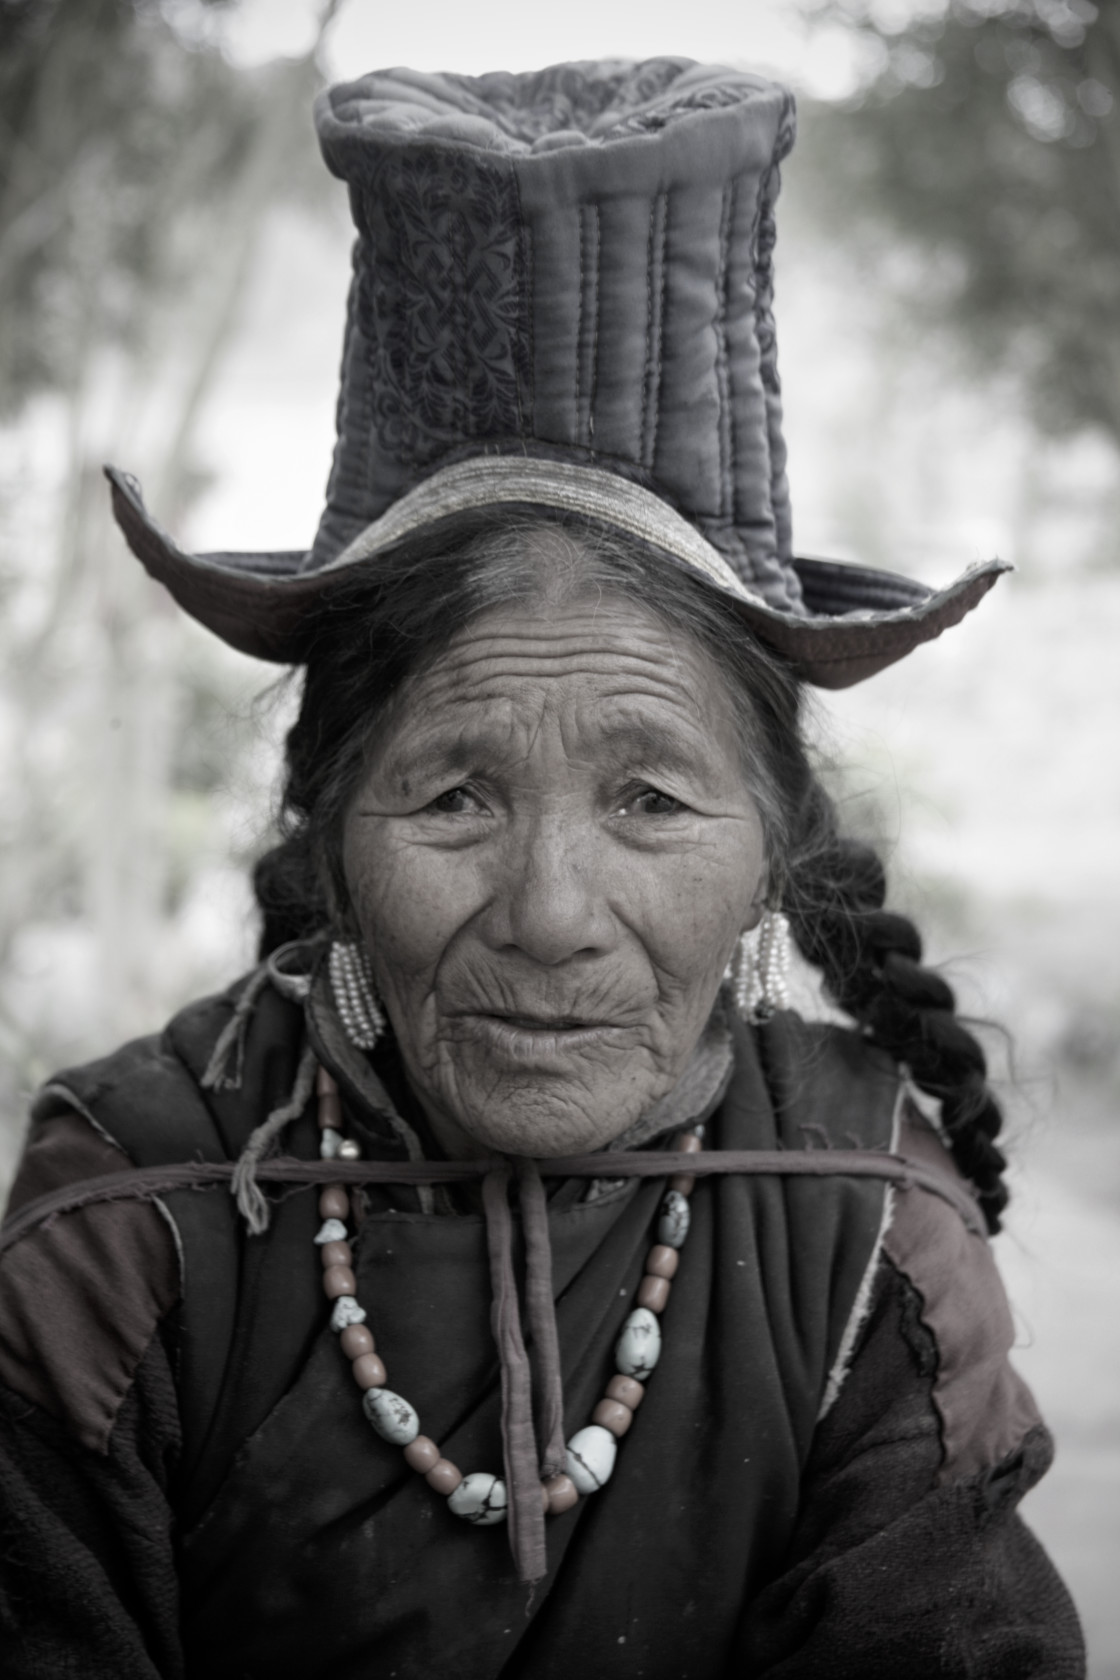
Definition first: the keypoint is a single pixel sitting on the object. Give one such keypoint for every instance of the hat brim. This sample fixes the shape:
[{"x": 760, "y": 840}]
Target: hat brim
[{"x": 858, "y": 620}]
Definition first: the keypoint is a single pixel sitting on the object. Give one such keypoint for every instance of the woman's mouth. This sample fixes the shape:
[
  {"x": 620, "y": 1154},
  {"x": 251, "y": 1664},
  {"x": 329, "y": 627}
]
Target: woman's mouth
[
  {"x": 537, "y": 1038},
  {"x": 548, "y": 1023}
]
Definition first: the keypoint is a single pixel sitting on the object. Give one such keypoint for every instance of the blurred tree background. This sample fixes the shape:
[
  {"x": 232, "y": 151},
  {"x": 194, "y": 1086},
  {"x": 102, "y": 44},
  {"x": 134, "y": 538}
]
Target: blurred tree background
[
  {"x": 956, "y": 207},
  {"x": 984, "y": 143},
  {"x": 138, "y": 168}
]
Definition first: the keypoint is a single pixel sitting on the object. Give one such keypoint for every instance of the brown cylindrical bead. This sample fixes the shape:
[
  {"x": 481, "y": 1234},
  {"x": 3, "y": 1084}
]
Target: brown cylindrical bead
[
  {"x": 661, "y": 1261},
  {"x": 613, "y": 1415},
  {"x": 339, "y": 1280},
  {"x": 356, "y": 1340},
  {"x": 626, "y": 1389},
  {"x": 444, "y": 1476},
  {"x": 330, "y": 1110},
  {"x": 324, "y": 1082},
  {"x": 334, "y": 1203},
  {"x": 653, "y": 1292},
  {"x": 688, "y": 1144},
  {"x": 369, "y": 1372},
  {"x": 336, "y": 1254},
  {"x": 562, "y": 1494},
  {"x": 421, "y": 1454},
  {"x": 683, "y": 1183}
]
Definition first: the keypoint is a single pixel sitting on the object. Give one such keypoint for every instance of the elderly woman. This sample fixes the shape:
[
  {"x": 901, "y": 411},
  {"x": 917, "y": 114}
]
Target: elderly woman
[{"x": 578, "y": 1306}]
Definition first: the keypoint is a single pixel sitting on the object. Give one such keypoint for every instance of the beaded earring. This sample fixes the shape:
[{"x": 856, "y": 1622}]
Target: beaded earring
[
  {"x": 760, "y": 968},
  {"x": 354, "y": 995}
]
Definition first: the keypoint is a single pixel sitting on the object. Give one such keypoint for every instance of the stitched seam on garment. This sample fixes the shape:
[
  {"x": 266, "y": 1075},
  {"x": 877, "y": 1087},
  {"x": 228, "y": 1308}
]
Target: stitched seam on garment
[
  {"x": 92, "y": 1425},
  {"x": 461, "y": 315},
  {"x": 661, "y": 312},
  {"x": 647, "y": 367},
  {"x": 489, "y": 480},
  {"x": 168, "y": 1217},
  {"x": 762, "y": 288},
  {"x": 579, "y": 336},
  {"x": 596, "y": 307},
  {"x": 978, "y": 1427},
  {"x": 57, "y": 1088},
  {"x": 371, "y": 340},
  {"x": 723, "y": 382},
  {"x": 519, "y": 349},
  {"x": 862, "y": 1303},
  {"x": 732, "y": 430},
  {"x": 529, "y": 275}
]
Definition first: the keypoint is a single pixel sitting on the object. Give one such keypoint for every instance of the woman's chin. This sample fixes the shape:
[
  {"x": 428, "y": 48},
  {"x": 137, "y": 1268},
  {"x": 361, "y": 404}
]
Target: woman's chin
[
  {"x": 545, "y": 1124},
  {"x": 570, "y": 1098}
]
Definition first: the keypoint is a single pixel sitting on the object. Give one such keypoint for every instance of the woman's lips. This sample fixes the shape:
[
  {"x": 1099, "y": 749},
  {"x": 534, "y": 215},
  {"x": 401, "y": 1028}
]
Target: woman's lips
[
  {"x": 548, "y": 1023},
  {"x": 529, "y": 1038}
]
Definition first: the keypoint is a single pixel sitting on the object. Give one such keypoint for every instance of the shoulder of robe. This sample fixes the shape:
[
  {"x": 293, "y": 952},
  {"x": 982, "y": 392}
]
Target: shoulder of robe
[
  {"x": 148, "y": 1097},
  {"x": 82, "y": 1296},
  {"x": 829, "y": 1088},
  {"x": 985, "y": 1409}
]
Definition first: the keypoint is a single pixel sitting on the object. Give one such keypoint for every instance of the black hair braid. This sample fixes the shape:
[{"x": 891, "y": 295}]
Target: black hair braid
[{"x": 871, "y": 960}]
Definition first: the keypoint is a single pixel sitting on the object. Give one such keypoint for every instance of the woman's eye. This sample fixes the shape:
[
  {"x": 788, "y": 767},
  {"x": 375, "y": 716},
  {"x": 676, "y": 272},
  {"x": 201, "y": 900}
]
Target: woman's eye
[
  {"x": 651, "y": 802},
  {"x": 455, "y": 802}
]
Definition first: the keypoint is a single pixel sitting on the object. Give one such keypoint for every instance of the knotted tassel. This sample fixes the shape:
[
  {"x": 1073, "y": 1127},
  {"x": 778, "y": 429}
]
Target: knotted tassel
[
  {"x": 519, "y": 1446},
  {"x": 232, "y": 1037},
  {"x": 243, "y": 1185}
]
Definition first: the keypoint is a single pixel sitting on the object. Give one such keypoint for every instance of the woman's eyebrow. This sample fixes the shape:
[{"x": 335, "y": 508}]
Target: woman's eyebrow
[
  {"x": 441, "y": 752},
  {"x": 663, "y": 743}
]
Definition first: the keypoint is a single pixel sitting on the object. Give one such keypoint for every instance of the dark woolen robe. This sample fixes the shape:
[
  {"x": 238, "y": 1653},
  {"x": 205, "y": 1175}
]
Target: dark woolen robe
[{"x": 820, "y": 1480}]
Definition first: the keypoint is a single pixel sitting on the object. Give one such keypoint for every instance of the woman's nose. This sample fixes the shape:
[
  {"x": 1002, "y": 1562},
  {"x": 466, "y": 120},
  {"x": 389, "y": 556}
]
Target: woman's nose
[{"x": 550, "y": 900}]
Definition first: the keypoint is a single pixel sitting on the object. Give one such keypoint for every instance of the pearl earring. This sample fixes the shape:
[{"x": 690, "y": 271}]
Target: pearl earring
[
  {"x": 760, "y": 968},
  {"x": 354, "y": 996}
]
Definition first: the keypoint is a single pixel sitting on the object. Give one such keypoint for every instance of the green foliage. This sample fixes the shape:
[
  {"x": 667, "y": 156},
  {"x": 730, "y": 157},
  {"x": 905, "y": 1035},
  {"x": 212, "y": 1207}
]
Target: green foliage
[{"x": 985, "y": 148}]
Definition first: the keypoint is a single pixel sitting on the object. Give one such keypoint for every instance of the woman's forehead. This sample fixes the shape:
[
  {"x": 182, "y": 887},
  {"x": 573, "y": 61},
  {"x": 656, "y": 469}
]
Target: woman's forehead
[
  {"x": 601, "y": 638},
  {"x": 610, "y": 663}
]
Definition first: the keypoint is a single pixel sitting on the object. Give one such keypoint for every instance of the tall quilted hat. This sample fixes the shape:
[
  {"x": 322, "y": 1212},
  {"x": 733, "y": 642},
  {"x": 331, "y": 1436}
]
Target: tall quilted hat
[{"x": 562, "y": 300}]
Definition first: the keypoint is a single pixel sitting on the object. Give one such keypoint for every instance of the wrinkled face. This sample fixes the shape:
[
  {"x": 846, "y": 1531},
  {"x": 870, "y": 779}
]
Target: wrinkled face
[{"x": 551, "y": 855}]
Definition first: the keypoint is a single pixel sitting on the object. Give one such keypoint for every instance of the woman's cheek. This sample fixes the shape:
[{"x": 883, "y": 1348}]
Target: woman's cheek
[
  {"x": 689, "y": 917},
  {"x": 411, "y": 902}
]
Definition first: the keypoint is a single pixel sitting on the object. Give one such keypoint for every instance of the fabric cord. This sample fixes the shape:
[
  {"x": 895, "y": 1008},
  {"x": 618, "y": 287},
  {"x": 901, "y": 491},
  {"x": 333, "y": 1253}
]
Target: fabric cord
[
  {"x": 145, "y": 1182},
  {"x": 541, "y": 1305},
  {"x": 232, "y": 1037},
  {"x": 251, "y": 1201},
  {"x": 519, "y": 1445}
]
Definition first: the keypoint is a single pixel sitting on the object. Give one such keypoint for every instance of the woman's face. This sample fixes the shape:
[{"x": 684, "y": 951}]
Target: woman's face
[{"x": 551, "y": 855}]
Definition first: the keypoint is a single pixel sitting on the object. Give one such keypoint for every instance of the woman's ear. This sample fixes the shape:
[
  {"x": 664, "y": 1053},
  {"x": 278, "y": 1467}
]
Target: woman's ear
[
  {"x": 758, "y": 902},
  {"x": 343, "y": 921}
]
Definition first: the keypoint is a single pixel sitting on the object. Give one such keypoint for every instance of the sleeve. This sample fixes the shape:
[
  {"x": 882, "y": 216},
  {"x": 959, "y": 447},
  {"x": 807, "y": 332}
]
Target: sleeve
[
  {"x": 88, "y": 1431},
  {"x": 909, "y": 1556}
]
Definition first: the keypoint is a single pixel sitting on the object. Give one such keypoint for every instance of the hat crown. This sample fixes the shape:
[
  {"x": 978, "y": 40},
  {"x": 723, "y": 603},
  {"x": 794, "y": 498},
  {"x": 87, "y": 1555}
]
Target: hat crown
[
  {"x": 562, "y": 300},
  {"x": 574, "y": 262}
]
